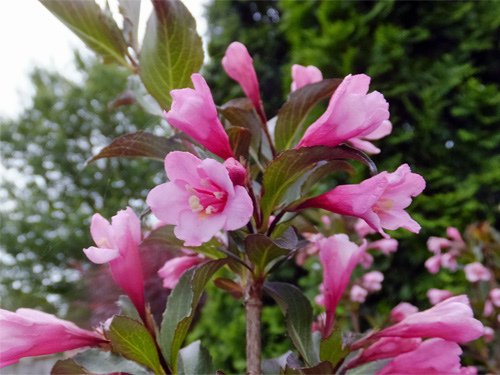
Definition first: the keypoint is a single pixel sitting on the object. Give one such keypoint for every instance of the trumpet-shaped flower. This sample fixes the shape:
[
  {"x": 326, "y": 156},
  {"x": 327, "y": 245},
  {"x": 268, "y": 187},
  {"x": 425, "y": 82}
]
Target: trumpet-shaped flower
[
  {"x": 352, "y": 114},
  {"x": 304, "y": 75},
  {"x": 238, "y": 65},
  {"x": 28, "y": 332},
  {"x": 475, "y": 272},
  {"x": 435, "y": 356},
  {"x": 118, "y": 244},
  {"x": 380, "y": 200},
  {"x": 451, "y": 319},
  {"x": 200, "y": 199},
  {"x": 194, "y": 113},
  {"x": 339, "y": 257},
  {"x": 372, "y": 281}
]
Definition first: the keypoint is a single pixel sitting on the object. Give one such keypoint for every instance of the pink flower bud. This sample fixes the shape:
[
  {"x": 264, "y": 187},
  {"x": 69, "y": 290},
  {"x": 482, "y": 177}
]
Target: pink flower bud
[
  {"x": 28, "y": 333},
  {"x": 366, "y": 260},
  {"x": 237, "y": 172},
  {"x": 436, "y": 244},
  {"x": 454, "y": 234},
  {"x": 380, "y": 200},
  {"x": 352, "y": 113},
  {"x": 433, "y": 264},
  {"x": 495, "y": 296},
  {"x": 488, "y": 308},
  {"x": 305, "y": 75},
  {"x": 200, "y": 199},
  {"x": 372, "y": 281},
  {"x": 488, "y": 334},
  {"x": 238, "y": 65},
  {"x": 475, "y": 272},
  {"x": 194, "y": 113},
  {"x": 339, "y": 257},
  {"x": 437, "y": 295},
  {"x": 449, "y": 261},
  {"x": 358, "y": 294},
  {"x": 451, "y": 319},
  {"x": 118, "y": 244},
  {"x": 401, "y": 311},
  {"x": 174, "y": 268}
]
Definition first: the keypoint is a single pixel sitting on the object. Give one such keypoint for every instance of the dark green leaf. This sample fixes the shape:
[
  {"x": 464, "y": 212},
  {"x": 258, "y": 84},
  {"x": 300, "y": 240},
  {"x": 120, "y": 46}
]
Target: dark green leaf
[
  {"x": 241, "y": 112},
  {"x": 67, "y": 367},
  {"x": 274, "y": 366},
  {"x": 140, "y": 144},
  {"x": 132, "y": 340},
  {"x": 292, "y": 166},
  {"x": 171, "y": 51},
  {"x": 239, "y": 138},
  {"x": 332, "y": 349},
  {"x": 290, "y": 125},
  {"x": 161, "y": 238},
  {"x": 262, "y": 250},
  {"x": 181, "y": 307},
  {"x": 95, "y": 28},
  {"x": 195, "y": 359},
  {"x": 299, "y": 317}
]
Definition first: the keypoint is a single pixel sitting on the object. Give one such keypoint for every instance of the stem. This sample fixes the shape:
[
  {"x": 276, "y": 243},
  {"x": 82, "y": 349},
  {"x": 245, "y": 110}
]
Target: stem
[{"x": 253, "y": 307}]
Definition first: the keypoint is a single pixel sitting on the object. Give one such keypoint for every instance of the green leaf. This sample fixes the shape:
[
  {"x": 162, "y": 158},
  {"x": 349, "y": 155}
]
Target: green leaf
[
  {"x": 171, "y": 50},
  {"x": 298, "y": 315},
  {"x": 132, "y": 340},
  {"x": 95, "y": 361},
  {"x": 95, "y": 28},
  {"x": 262, "y": 250},
  {"x": 67, "y": 367},
  {"x": 291, "y": 117},
  {"x": 291, "y": 166},
  {"x": 370, "y": 368},
  {"x": 240, "y": 139},
  {"x": 195, "y": 359},
  {"x": 139, "y": 144},
  {"x": 127, "y": 308},
  {"x": 332, "y": 349},
  {"x": 181, "y": 307}
]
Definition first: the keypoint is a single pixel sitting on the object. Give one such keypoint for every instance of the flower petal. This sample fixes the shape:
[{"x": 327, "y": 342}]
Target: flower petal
[{"x": 100, "y": 255}]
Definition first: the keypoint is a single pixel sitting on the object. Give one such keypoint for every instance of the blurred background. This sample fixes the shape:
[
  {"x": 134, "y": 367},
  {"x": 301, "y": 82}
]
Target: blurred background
[{"x": 437, "y": 63}]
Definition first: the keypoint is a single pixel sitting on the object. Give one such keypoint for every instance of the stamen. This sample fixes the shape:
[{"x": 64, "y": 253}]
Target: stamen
[
  {"x": 194, "y": 203},
  {"x": 219, "y": 194}
]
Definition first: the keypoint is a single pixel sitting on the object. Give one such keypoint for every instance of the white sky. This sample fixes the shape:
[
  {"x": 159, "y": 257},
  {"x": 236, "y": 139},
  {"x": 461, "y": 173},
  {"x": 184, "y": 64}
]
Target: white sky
[{"x": 31, "y": 36}]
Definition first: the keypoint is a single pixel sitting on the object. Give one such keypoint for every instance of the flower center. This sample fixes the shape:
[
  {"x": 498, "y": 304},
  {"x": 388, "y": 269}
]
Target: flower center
[
  {"x": 208, "y": 199},
  {"x": 383, "y": 205}
]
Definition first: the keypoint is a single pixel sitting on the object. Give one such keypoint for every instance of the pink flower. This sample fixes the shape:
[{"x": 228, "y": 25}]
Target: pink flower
[
  {"x": 451, "y": 319},
  {"x": 238, "y": 65},
  {"x": 475, "y": 272},
  {"x": 437, "y": 295},
  {"x": 386, "y": 347},
  {"x": 495, "y": 296},
  {"x": 339, "y": 257},
  {"x": 237, "y": 172},
  {"x": 488, "y": 334},
  {"x": 488, "y": 308},
  {"x": 468, "y": 370},
  {"x": 385, "y": 245},
  {"x": 401, "y": 311},
  {"x": 435, "y": 356},
  {"x": 363, "y": 229},
  {"x": 28, "y": 333},
  {"x": 118, "y": 244},
  {"x": 362, "y": 143},
  {"x": 372, "y": 281},
  {"x": 200, "y": 199},
  {"x": 194, "y": 113},
  {"x": 449, "y": 260},
  {"x": 351, "y": 113},
  {"x": 379, "y": 200},
  {"x": 436, "y": 244},
  {"x": 174, "y": 268},
  {"x": 366, "y": 260},
  {"x": 304, "y": 75},
  {"x": 454, "y": 234},
  {"x": 358, "y": 294},
  {"x": 433, "y": 264}
]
